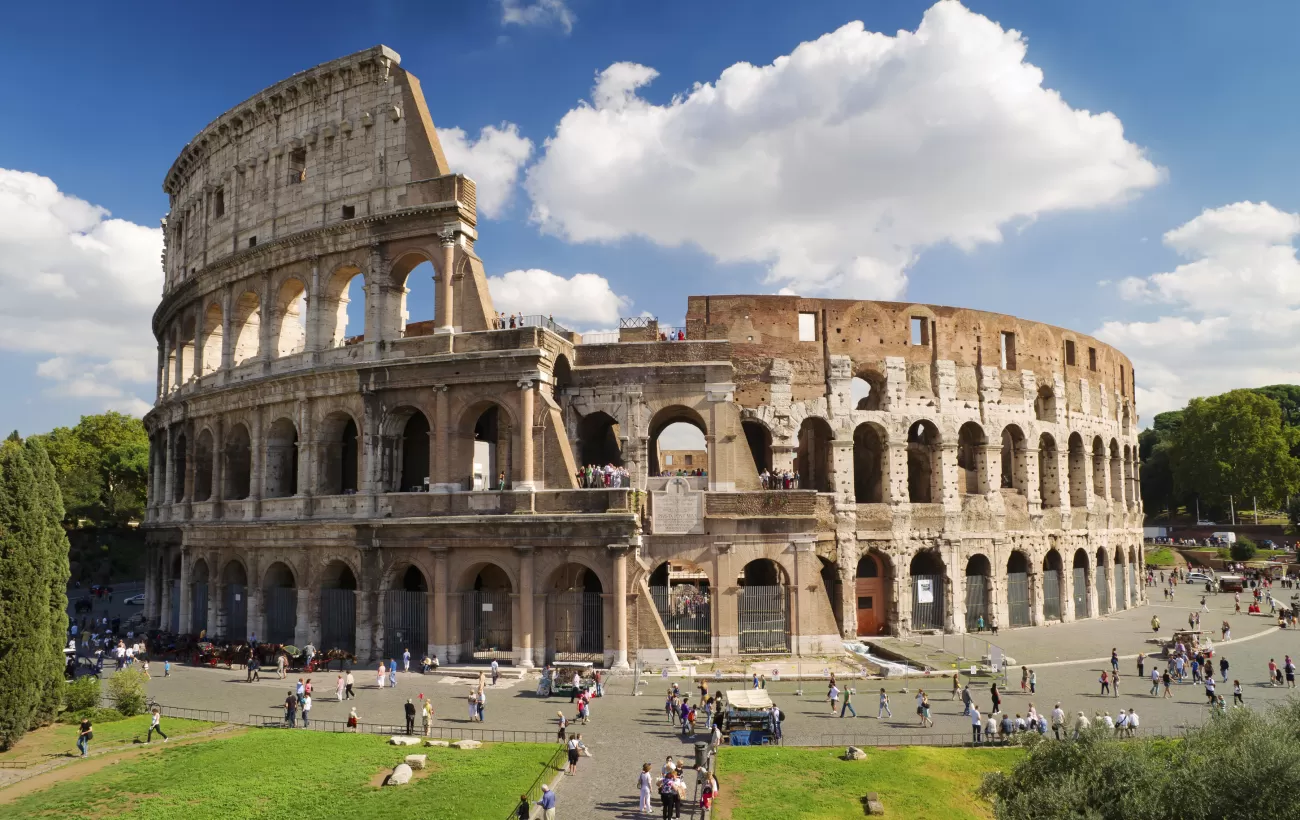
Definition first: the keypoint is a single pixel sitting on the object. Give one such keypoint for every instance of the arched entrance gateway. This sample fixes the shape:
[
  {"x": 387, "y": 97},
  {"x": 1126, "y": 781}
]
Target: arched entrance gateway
[
  {"x": 764, "y": 608},
  {"x": 1121, "y": 595},
  {"x": 1081, "y": 584},
  {"x": 1018, "y": 589},
  {"x": 575, "y": 614},
  {"x": 1052, "y": 586},
  {"x": 406, "y": 614},
  {"x": 1103, "y": 584},
  {"x": 174, "y": 619},
  {"x": 928, "y": 609},
  {"x": 979, "y": 584},
  {"x": 338, "y": 608},
  {"x": 234, "y": 606},
  {"x": 684, "y": 601},
  {"x": 199, "y": 597},
  {"x": 870, "y": 590},
  {"x": 487, "y": 626},
  {"x": 281, "y": 601}
]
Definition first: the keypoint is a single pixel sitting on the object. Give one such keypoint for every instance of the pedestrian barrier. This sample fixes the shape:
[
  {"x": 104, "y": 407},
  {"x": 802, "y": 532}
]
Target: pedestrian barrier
[
  {"x": 209, "y": 715},
  {"x": 552, "y": 767},
  {"x": 439, "y": 732},
  {"x": 948, "y": 739}
]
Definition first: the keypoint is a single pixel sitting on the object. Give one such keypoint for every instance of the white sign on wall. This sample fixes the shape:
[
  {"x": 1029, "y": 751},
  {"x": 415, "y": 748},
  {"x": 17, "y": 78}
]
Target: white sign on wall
[
  {"x": 487, "y": 607},
  {"x": 924, "y": 591}
]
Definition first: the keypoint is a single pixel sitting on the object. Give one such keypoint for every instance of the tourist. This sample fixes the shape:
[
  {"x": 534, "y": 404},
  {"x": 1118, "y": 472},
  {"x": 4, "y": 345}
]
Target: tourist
[
  {"x": 925, "y": 712},
  {"x": 1080, "y": 725},
  {"x": 1167, "y": 680},
  {"x": 406, "y": 660},
  {"x": 848, "y": 703},
  {"x": 392, "y": 673},
  {"x": 480, "y": 702},
  {"x": 348, "y": 681},
  {"x": 990, "y": 729},
  {"x": 643, "y": 784},
  {"x": 884, "y": 705},
  {"x": 684, "y": 714},
  {"x": 84, "y": 735},
  {"x": 920, "y": 704},
  {"x": 472, "y": 701},
  {"x": 966, "y": 704},
  {"x": 573, "y": 754},
  {"x": 710, "y": 790},
  {"x": 253, "y": 669},
  {"x": 1033, "y": 682},
  {"x": 1104, "y": 680},
  {"x": 353, "y": 720},
  {"x": 1209, "y": 690},
  {"x": 381, "y": 676},
  {"x": 997, "y": 699},
  {"x": 1114, "y": 684},
  {"x": 306, "y": 710},
  {"x": 670, "y": 706},
  {"x": 1132, "y": 722},
  {"x": 1114, "y": 660},
  {"x": 1236, "y": 694},
  {"x": 409, "y": 709},
  {"x": 547, "y": 803},
  {"x": 1024, "y": 680},
  {"x": 1058, "y": 720},
  {"x": 167, "y": 669},
  {"x": 1223, "y": 667},
  {"x": 155, "y": 715},
  {"x": 1289, "y": 666},
  {"x": 1006, "y": 728},
  {"x": 577, "y": 685},
  {"x": 338, "y": 689},
  {"x": 776, "y": 717},
  {"x": 833, "y": 695},
  {"x": 956, "y": 687},
  {"x": 563, "y": 723},
  {"x": 670, "y": 788},
  {"x": 281, "y": 665},
  {"x": 291, "y": 710},
  {"x": 975, "y": 724}
]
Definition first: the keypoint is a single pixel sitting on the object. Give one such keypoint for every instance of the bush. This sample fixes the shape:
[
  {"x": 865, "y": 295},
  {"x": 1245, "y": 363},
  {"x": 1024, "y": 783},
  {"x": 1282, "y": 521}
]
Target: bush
[
  {"x": 126, "y": 691},
  {"x": 96, "y": 715},
  {"x": 1243, "y": 550},
  {"x": 81, "y": 694}
]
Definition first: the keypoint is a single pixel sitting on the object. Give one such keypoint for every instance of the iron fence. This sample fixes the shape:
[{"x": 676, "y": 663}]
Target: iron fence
[
  {"x": 1080, "y": 592},
  {"x": 600, "y": 337},
  {"x": 638, "y": 321},
  {"x": 181, "y": 712},
  {"x": 977, "y": 601},
  {"x": 199, "y": 608},
  {"x": 486, "y": 625},
  {"x": 549, "y": 770},
  {"x": 764, "y": 616},
  {"x": 281, "y": 614},
  {"x": 1121, "y": 597},
  {"x": 1018, "y": 598},
  {"x": 1051, "y": 595},
  {"x": 1103, "y": 594},
  {"x": 236, "y": 606},
  {"x": 435, "y": 732},
  {"x": 921, "y": 738},
  {"x": 577, "y": 622},
  {"x": 174, "y": 613},
  {"x": 686, "y": 614},
  {"x": 338, "y": 619},
  {"x": 927, "y": 602},
  {"x": 406, "y": 622}
]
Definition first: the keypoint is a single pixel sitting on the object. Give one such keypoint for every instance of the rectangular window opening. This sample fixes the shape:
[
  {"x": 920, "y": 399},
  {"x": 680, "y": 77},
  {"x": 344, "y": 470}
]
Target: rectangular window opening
[
  {"x": 252, "y": 241},
  {"x": 1069, "y": 353},
  {"x": 297, "y": 165},
  {"x": 865, "y": 602},
  {"x": 1092, "y": 359},
  {"x": 807, "y": 327},
  {"x": 920, "y": 331},
  {"x": 1123, "y": 384},
  {"x": 219, "y": 204},
  {"x": 668, "y": 460},
  {"x": 690, "y": 461},
  {"x": 349, "y": 211},
  {"x": 1008, "y": 351}
]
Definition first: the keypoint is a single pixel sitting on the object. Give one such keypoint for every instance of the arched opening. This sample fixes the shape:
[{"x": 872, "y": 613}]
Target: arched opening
[
  {"x": 239, "y": 463},
  {"x": 971, "y": 456},
  {"x": 924, "y": 477},
  {"x": 487, "y": 617},
  {"x": 203, "y": 466},
  {"x": 575, "y": 614},
  {"x": 185, "y": 349},
  {"x": 199, "y": 597},
  {"x": 1078, "y": 470},
  {"x": 763, "y": 608},
  {"x": 1125, "y": 420},
  {"x": 563, "y": 375},
  {"x": 1116, "y": 473},
  {"x": 871, "y": 586},
  {"x": 344, "y": 307},
  {"x": 181, "y": 459},
  {"x": 683, "y": 597},
  {"x": 678, "y": 442},
  {"x": 979, "y": 594},
  {"x": 1045, "y": 404},
  {"x": 280, "y": 595},
  {"x": 1015, "y": 467},
  {"x": 1098, "y": 467},
  {"x": 290, "y": 328},
  {"x": 833, "y": 588},
  {"x": 1052, "y": 586},
  {"x": 406, "y": 614},
  {"x": 234, "y": 604},
  {"x": 1133, "y": 590},
  {"x": 1018, "y": 589},
  {"x": 928, "y": 592},
  {"x": 1080, "y": 568},
  {"x": 813, "y": 460},
  {"x": 246, "y": 325},
  {"x": 282, "y": 459},
  {"x": 418, "y": 294},
  {"x": 338, "y": 475},
  {"x": 598, "y": 440},
  {"x": 867, "y": 390},
  {"x": 338, "y": 608},
  {"x": 490, "y": 456},
  {"x": 1049, "y": 480},
  {"x": 868, "y": 460},
  {"x": 759, "y": 439},
  {"x": 415, "y": 454},
  {"x": 212, "y": 338},
  {"x": 1103, "y": 583},
  {"x": 1121, "y": 592}
]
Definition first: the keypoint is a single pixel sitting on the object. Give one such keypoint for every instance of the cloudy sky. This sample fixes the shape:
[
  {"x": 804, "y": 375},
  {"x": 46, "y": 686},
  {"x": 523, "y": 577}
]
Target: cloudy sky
[{"x": 1126, "y": 169}]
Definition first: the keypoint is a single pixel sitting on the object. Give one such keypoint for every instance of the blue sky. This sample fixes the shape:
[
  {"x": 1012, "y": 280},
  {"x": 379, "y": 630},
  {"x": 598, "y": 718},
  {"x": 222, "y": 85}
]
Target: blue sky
[{"x": 101, "y": 97}]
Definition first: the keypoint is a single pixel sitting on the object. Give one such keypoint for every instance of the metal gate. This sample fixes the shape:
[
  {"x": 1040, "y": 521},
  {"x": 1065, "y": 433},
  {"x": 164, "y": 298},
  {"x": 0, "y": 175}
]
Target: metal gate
[
  {"x": 406, "y": 623},
  {"x": 236, "y": 612},
  {"x": 1103, "y": 592},
  {"x": 977, "y": 602},
  {"x": 338, "y": 620},
  {"x": 1080, "y": 593},
  {"x": 685, "y": 612},
  {"x": 927, "y": 602},
  {"x": 1121, "y": 598},
  {"x": 764, "y": 620},
  {"x": 174, "y": 624},
  {"x": 1133, "y": 584},
  {"x": 199, "y": 608},
  {"x": 1018, "y": 598},
  {"x": 486, "y": 626},
  {"x": 576, "y": 621},
  {"x": 281, "y": 614},
  {"x": 1051, "y": 594}
]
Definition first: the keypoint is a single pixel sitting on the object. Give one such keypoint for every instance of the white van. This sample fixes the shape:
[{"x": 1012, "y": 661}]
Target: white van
[{"x": 1225, "y": 537}]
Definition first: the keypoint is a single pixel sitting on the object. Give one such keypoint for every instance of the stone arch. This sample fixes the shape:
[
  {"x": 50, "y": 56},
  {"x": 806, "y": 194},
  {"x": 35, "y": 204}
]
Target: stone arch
[
  {"x": 1081, "y": 577},
  {"x": 280, "y": 599},
  {"x": 763, "y": 608},
  {"x": 1078, "y": 471},
  {"x": 1015, "y": 464},
  {"x": 868, "y": 463},
  {"x": 759, "y": 439},
  {"x": 1045, "y": 404},
  {"x": 1053, "y": 574},
  {"x": 659, "y": 424},
  {"x": 1121, "y": 592},
  {"x": 212, "y": 336},
  {"x": 203, "y": 456},
  {"x": 281, "y": 477},
  {"x": 1125, "y": 419},
  {"x": 406, "y": 610},
  {"x": 683, "y": 595},
  {"x": 407, "y": 448},
  {"x": 929, "y": 589},
  {"x": 867, "y": 390},
  {"x": 340, "y": 467},
  {"x": 238, "y": 472},
  {"x": 185, "y": 334},
  {"x": 1049, "y": 479},
  {"x": 575, "y": 612},
  {"x": 412, "y": 276},
  {"x": 813, "y": 459},
  {"x": 1018, "y": 604},
  {"x": 1098, "y": 467},
  {"x": 288, "y": 328},
  {"x": 598, "y": 440},
  {"x": 339, "y": 292},
  {"x": 1116, "y": 473},
  {"x": 971, "y": 458},
  {"x": 924, "y": 470},
  {"x": 872, "y": 584},
  {"x": 979, "y": 593},
  {"x": 562, "y": 374},
  {"x": 246, "y": 327},
  {"x": 487, "y": 440},
  {"x": 200, "y": 577},
  {"x": 487, "y": 616},
  {"x": 338, "y": 606},
  {"x": 180, "y": 457},
  {"x": 1102, "y": 582},
  {"x": 233, "y": 612}
]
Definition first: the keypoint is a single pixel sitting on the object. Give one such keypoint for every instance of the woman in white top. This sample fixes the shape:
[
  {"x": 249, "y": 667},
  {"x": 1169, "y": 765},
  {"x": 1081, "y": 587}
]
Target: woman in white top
[{"x": 643, "y": 784}]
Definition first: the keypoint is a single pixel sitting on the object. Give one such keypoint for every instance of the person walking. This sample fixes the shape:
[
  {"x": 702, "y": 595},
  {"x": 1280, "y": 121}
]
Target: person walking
[
  {"x": 1058, "y": 720},
  {"x": 1033, "y": 682},
  {"x": 1114, "y": 684},
  {"x": 306, "y": 711},
  {"x": 956, "y": 687},
  {"x": 644, "y": 782},
  {"x": 1237, "y": 699},
  {"x": 1167, "y": 680},
  {"x": 84, "y": 735},
  {"x": 426, "y": 712},
  {"x": 348, "y": 682},
  {"x": 1288, "y": 666},
  {"x": 884, "y": 705},
  {"x": 1209, "y": 690},
  {"x": 338, "y": 689},
  {"x": 975, "y": 724},
  {"x": 1141, "y": 661},
  {"x": 392, "y": 673},
  {"x": 155, "y": 715},
  {"x": 1114, "y": 660},
  {"x": 409, "y": 708},
  {"x": 848, "y": 703},
  {"x": 480, "y": 701},
  {"x": 573, "y": 753},
  {"x": 496, "y": 672},
  {"x": 925, "y": 712},
  {"x": 406, "y": 659},
  {"x": 997, "y": 698},
  {"x": 1104, "y": 680},
  {"x": 381, "y": 676},
  {"x": 834, "y": 696},
  {"x": 966, "y": 704},
  {"x": 563, "y": 723},
  {"x": 1223, "y": 667},
  {"x": 547, "y": 802},
  {"x": 1155, "y": 681},
  {"x": 1024, "y": 680},
  {"x": 670, "y": 798},
  {"x": 354, "y": 720}
]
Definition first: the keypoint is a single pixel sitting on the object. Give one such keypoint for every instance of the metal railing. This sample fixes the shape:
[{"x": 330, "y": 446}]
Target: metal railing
[
  {"x": 435, "y": 732},
  {"x": 922, "y": 738},
  {"x": 638, "y": 321},
  {"x": 208, "y": 715},
  {"x": 534, "y": 320},
  {"x": 550, "y": 769}
]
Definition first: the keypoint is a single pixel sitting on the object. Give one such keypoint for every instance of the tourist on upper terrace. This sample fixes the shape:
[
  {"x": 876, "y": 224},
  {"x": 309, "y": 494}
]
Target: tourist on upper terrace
[
  {"x": 594, "y": 476},
  {"x": 779, "y": 480}
]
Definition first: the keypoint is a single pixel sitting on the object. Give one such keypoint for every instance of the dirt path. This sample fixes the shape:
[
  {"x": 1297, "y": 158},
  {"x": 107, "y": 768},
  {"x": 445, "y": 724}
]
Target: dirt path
[{"x": 43, "y": 775}]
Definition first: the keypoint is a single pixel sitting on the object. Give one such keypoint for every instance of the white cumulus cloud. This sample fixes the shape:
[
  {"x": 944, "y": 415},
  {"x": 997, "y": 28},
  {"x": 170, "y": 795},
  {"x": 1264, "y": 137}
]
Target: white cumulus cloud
[
  {"x": 493, "y": 161},
  {"x": 583, "y": 299},
  {"x": 537, "y": 13},
  {"x": 1230, "y": 314},
  {"x": 837, "y": 164},
  {"x": 81, "y": 288}
]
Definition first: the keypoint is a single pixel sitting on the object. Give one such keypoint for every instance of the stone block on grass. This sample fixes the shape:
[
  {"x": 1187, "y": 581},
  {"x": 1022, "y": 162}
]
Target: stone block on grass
[
  {"x": 434, "y": 743},
  {"x": 416, "y": 761},
  {"x": 467, "y": 744},
  {"x": 403, "y": 740},
  {"x": 401, "y": 775},
  {"x": 854, "y": 753},
  {"x": 874, "y": 806}
]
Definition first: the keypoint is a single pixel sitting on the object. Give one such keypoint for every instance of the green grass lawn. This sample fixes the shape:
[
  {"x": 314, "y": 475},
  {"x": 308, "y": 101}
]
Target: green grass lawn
[
  {"x": 915, "y": 782},
  {"x": 272, "y": 773},
  {"x": 59, "y": 739},
  {"x": 1162, "y": 557}
]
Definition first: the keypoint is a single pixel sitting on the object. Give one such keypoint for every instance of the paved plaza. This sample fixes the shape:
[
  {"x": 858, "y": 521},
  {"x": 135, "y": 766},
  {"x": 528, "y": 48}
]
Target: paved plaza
[{"x": 627, "y": 731}]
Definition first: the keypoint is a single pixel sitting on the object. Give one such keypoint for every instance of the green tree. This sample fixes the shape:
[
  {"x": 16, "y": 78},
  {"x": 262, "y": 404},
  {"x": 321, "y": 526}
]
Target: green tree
[
  {"x": 1234, "y": 445},
  {"x": 55, "y": 549},
  {"x": 1155, "y": 470},
  {"x": 1287, "y": 397},
  {"x": 126, "y": 691},
  {"x": 1243, "y": 549},
  {"x": 102, "y": 466},
  {"x": 24, "y": 597}
]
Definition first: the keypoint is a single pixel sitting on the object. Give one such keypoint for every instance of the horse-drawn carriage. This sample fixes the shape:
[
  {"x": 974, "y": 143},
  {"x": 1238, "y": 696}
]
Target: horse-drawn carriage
[{"x": 558, "y": 680}]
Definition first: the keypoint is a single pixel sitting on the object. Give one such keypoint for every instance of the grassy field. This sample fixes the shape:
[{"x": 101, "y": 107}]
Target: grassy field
[
  {"x": 914, "y": 782},
  {"x": 1161, "y": 557},
  {"x": 269, "y": 773},
  {"x": 54, "y": 741}
]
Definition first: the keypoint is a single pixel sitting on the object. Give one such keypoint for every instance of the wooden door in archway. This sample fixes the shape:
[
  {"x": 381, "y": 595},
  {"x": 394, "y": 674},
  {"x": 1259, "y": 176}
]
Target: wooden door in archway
[{"x": 870, "y": 594}]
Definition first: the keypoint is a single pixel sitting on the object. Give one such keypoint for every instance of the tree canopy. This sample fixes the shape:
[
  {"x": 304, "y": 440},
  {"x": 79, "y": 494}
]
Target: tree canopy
[{"x": 102, "y": 468}]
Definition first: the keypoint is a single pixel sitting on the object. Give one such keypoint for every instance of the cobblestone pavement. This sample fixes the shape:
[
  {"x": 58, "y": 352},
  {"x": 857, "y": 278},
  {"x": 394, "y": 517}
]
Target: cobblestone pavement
[{"x": 627, "y": 731}]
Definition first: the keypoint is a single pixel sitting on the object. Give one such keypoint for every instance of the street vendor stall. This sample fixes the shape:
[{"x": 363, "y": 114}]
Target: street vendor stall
[
  {"x": 748, "y": 715},
  {"x": 558, "y": 680}
]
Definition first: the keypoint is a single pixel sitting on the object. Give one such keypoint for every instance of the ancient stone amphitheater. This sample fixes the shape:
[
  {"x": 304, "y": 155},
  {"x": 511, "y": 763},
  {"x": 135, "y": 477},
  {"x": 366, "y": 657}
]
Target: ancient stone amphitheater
[{"x": 416, "y": 486}]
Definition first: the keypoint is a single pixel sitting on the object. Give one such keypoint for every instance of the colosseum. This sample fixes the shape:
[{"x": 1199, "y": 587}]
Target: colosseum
[{"x": 861, "y": 468}]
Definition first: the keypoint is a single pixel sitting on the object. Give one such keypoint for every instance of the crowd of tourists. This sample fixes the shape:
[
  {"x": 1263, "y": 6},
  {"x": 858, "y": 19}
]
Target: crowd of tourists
[
  {"x": 779, "y": 480},
  {"x": 594, "y": 476}
]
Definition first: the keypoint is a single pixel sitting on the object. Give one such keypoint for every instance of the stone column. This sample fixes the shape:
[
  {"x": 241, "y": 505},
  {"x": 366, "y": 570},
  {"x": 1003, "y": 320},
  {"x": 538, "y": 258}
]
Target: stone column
[
  {"x": 1032, "y": 496},
  {"x": 186, "y": 562},
  {"x": 527, "y": 479},
  {"x": 440, "y": 624},
  {"x": 1067, "y": 589},
  {"x": 150, "y": 588},
  {"x": 725, "y": 616},
  {"x": 257, "y": 469},
  {"x": 266, "y": 309},
  {"x": 162, "y": 369},
  {"x": 198, "y": 344},
  {"x": 227, "y": 343},
  {"x": 444, "y": 310},
  {"x": 620, "y": 552},
  {"x": 948, "y": 477},
  {"x": 169, "y": 483},
  {"x": 303, "y": 628},
  {"x": 165, "y": 600},
  {"x": 442, "y": 477},
  {"x": 524, "y": 650},
  {"x": 893, "y": 487},
  {"x": 254, "y": 614}
]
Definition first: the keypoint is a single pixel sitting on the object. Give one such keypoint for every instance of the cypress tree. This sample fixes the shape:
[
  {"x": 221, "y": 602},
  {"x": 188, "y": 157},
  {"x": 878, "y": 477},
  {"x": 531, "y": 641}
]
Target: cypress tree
[
  {"x": 57, "y": 572},
  {"x": 24, "y": 617}
]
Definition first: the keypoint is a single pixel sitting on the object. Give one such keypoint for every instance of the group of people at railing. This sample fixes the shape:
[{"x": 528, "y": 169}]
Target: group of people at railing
[
  {"x": 699, "y": 472},
  {"x": 779, "y": 479},
  {"x": 610, "y": 476},
  {"x": 672, "y": 335},
  {"x": 509, "y": 321}
]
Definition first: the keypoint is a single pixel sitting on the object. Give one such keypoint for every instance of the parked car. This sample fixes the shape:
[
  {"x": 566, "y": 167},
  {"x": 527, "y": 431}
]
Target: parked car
[
  {"x": 1267, "y": 544},
  {"x": 135, "y": 600},
  {"x": 1199, "y": 578}
]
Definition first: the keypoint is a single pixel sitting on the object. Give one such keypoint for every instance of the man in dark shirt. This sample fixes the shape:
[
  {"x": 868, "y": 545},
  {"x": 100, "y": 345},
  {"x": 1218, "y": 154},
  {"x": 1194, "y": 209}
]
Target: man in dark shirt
[
  {"x": 291, "y": 710},
  {"x": 84, "y": 736},
  {"x": 410, "y": 717}
]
